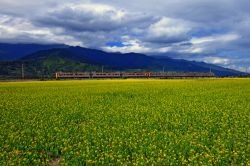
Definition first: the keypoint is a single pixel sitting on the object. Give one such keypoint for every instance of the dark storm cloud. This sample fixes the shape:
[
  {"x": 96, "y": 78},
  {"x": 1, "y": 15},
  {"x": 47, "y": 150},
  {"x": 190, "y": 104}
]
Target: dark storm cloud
[
  {"x": 93, "y": 17},
  {"x": 190, "y": 29}
]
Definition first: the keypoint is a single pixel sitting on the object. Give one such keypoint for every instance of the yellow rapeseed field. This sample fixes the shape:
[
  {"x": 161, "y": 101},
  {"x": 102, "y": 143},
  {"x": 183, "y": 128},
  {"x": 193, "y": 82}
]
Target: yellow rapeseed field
[{"x": 125, "y": 122}]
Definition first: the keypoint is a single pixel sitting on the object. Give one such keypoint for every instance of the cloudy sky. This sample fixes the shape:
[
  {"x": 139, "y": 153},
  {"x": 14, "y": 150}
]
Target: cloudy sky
[{"x": 214, "y": 31}]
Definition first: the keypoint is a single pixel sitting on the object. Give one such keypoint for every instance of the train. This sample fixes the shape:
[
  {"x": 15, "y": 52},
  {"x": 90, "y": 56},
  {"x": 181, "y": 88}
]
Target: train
[{"x": 110, "y": 75}]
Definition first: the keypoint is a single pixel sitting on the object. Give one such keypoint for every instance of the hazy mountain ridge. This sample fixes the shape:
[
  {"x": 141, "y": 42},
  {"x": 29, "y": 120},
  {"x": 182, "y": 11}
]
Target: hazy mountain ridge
[
  {"x": 77, "y": 59},
  {"x": 11, "y": 52}
]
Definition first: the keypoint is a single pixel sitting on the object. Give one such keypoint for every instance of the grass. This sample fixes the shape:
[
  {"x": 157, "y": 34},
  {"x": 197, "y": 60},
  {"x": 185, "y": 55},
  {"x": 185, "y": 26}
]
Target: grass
[{"x": 123, "y": 122}]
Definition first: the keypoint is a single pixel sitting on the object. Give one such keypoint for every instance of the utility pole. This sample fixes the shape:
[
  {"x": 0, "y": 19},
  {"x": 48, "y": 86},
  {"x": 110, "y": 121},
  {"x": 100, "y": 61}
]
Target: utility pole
[
  {"x": 35, "y": 73},
  {"x": 22, "y": 71},
  {"x": 210, "y": 70},
  {"x": 102, "y": 68},
  {"x": 248, "y": 72},
  {"x": 163, "y": 69}
]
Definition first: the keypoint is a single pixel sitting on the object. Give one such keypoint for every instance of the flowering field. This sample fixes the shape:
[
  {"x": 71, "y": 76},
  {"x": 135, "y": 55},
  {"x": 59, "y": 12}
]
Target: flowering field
[{"x": 140, "y": 122}]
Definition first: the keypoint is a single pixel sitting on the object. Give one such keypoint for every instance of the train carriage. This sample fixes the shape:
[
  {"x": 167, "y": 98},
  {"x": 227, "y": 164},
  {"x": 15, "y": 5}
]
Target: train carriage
[
  {"x": 96, "y": 75},
  {"x": 72, "y": 75},
  {"x": 106, "y": 75}
]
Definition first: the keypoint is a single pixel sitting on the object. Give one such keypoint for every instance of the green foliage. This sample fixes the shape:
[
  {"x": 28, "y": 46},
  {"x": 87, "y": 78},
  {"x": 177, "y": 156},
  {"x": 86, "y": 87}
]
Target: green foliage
[
  {"x": 44, "y": 68},
  {"x": 123, "y": 122}
]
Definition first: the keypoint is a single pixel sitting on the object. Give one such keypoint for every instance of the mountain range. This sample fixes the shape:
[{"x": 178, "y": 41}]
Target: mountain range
[{"x": 44, "y": 60}]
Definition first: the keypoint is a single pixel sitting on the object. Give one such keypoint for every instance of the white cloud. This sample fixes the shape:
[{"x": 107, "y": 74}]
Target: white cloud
[
  {"x": 215, "y": 38},
  {"x": 239, "y": 68},
  {"x": 19, "y": 30},
  {"x": 168, "y": 30},
  {"x": 216, "y": 60},
  {"x": 210, "y": 44}
]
